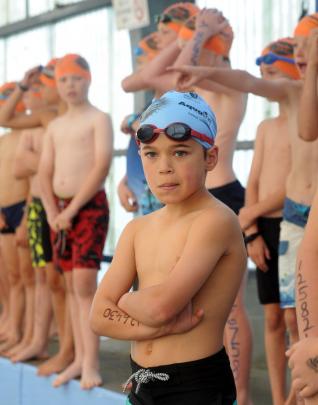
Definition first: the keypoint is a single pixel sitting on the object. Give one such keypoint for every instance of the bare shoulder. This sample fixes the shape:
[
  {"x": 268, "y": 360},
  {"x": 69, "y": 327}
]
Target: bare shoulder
[
  {"x": 100, "y": 116},
  {"x": 217, "y": 221}
]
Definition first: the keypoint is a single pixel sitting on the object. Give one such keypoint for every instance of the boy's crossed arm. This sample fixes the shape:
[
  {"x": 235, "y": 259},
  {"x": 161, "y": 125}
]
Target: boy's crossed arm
[
  {"x": 107, "y": 319},
  {"x": 207, "y": 242}
]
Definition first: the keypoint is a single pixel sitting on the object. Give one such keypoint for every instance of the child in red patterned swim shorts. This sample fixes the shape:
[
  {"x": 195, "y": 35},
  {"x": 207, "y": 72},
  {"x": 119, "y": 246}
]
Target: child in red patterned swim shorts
[{"x": 74, "y": 164}]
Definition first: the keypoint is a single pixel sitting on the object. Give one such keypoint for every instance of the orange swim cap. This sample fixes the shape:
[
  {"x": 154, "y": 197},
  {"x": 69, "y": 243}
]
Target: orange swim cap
[
  {"x": 284, "y": 48},
  {"x": 47, "y": 76},
  {"x": 219, "y": 44},
  {"x": 306, "y": 24},
  {"x": 148, "y": 46},
  {"x": 72, "y": 64},
  {"x": 175, "y": 15},
  {"x": 5, "y": 91}
]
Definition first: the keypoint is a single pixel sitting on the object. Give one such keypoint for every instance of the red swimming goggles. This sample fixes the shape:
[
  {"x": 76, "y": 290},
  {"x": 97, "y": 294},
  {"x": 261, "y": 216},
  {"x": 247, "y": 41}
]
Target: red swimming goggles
[{"x": 176, "y": 131}]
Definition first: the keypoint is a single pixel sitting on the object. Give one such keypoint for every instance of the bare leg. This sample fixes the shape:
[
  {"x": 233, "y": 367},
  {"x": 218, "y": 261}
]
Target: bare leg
[
  {"x": 275, "y": 346},
  {"x": 4, "y": 296},
  {"x": 28, "y": 281},
  {"x": 291, "y": 324},
  {"x": 43, "y": 314},
  {"x": 75, "y": 368},
  {"x": 61, "y": 313},
  {"x": 10, "y": 257},
  {"x": 238, "y": 338},
  {"x": 85, "y": 284}
]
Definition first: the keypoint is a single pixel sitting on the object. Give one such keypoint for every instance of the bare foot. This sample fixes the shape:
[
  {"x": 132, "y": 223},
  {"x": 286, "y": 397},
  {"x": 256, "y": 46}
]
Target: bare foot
[
  {"x": 55, "y": 364},
  {"x": 30, "y": 352},
  {"x": 18, "y": 348},
  {"x": 91, "y": 378},
  {"x": 72, "y": 371},
  {"x": 8, "y": 344}
]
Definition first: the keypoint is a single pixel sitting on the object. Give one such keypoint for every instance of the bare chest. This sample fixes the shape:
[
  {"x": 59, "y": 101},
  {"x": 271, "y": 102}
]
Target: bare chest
[
  {"x": 157, "y": 252},
  {"x": 76, "y": 136}
]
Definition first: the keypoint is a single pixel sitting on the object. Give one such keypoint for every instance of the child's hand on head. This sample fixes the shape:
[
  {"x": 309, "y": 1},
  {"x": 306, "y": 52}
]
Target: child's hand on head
[
  {"x": 31, "y": 76},
  {"x": 211, "y": 21},
  {"x": 303, "y": 362}
]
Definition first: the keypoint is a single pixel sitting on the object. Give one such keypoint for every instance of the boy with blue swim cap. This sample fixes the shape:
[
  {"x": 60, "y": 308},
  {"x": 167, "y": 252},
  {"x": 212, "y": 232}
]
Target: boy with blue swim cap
[
  {"x": 183, "y": 255},
  {"x": 177, "y": 113}
]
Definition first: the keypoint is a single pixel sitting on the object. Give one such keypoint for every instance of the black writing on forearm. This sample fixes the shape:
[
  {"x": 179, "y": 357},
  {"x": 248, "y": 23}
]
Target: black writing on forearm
[
  {"x": 313, "y": 364},
  {"x": 114, "y": 315},
  {"x": 302, "y": 289},
  {"x": 234, "y": 352},
  {"x": 198, "y": 39}
]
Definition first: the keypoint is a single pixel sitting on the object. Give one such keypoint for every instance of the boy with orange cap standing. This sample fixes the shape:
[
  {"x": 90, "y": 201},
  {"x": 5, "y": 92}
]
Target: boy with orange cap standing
[
  {"x": 76, "y": 205},
  {"x": 13, "y": 196},
  {"x": 263, "y": 214},
  {"x": 54, "y": 107}
]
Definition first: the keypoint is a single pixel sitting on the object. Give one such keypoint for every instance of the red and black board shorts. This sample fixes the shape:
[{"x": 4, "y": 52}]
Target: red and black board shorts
[{"x": 81, "y": 247}]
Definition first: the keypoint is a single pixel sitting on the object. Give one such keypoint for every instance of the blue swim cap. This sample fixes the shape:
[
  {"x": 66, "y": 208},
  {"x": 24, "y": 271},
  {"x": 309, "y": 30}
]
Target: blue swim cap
[{"x": 188, "y": 108}]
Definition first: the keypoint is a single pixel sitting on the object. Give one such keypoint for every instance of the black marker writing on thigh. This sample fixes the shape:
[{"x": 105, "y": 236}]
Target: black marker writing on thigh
[
  {"x": 234, "y": 344},
  {"x": 114, "y": 315},
  {"x": 302, "y": 288}
]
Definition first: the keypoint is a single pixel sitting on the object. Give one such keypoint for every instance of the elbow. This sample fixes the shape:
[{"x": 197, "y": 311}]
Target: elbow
[
  {"x": 124, "y": 86},
  {"x": 160, "y": 313},
  {"x": 308, "y": 135},
  {"x": 95, "y": 324}
]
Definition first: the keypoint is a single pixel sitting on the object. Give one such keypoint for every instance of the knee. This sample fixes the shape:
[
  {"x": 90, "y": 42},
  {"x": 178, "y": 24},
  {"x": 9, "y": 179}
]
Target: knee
[
  {"x": 274, "y": 321},
  {"x": 14, "y": 279},
  {"x": 291, "y": 321},
  {"x": 84, "y": 290},
  {"x": 55, "y": 282}
]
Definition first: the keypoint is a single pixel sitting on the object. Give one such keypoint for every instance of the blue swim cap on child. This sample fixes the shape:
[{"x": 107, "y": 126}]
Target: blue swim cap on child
[{"x": 188, "y": 108}]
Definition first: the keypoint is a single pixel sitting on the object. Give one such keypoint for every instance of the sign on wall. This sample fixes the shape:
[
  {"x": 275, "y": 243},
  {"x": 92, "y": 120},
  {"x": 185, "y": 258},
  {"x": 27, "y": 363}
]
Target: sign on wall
[{"x": 131, "y": 14}]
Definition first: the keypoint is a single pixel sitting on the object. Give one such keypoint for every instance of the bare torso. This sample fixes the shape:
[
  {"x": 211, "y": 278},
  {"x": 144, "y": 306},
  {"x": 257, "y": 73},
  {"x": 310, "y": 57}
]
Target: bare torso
[
  {"x": 276, "y": 159},
  {"x": 302, "y": 180},
  {"x": 73, "y": 142},
  {"x": 36, "y": 139},
  {"x": 216, "y": 297},
  {"x": 12, "y": 190},
  {"x": 229, "y": 111}
]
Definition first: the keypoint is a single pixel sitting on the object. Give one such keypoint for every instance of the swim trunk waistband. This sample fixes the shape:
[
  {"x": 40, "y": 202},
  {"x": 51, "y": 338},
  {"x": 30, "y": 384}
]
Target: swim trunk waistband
[
  {"x": 231, "y": 194},
  {"x": 64, "y": 202},
  {"x": 205, "y": 381},
  {"x": 36, "y": 200},
  {"x": 296, "y": 213}
]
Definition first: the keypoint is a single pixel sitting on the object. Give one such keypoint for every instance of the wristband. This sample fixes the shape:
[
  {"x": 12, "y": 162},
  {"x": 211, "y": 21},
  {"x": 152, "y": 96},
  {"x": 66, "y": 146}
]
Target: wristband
[
  {"x": 248, "y": 239},
  {"x": 22, "y": 87}
]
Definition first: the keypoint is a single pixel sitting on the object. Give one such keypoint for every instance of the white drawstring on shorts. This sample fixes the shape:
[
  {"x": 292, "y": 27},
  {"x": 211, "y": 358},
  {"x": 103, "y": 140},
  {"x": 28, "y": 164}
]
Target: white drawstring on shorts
[{"x": 143, "y": 376}]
